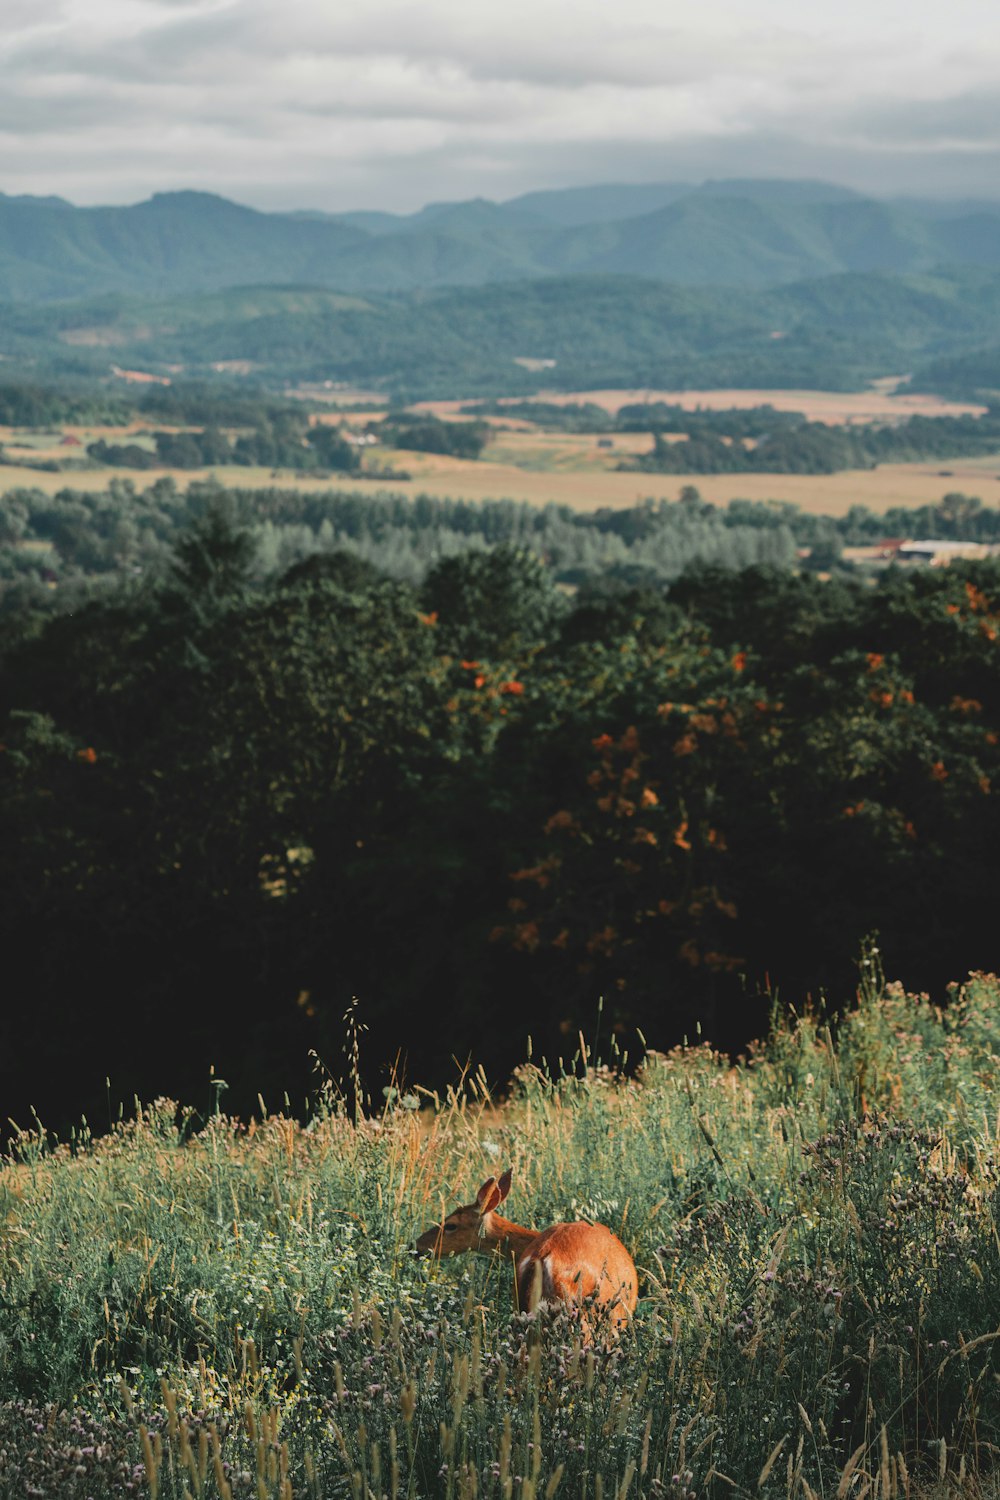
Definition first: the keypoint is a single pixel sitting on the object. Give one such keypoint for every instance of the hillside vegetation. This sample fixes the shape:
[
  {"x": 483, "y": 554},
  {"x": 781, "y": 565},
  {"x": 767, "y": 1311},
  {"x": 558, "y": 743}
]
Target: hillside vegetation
[
  {"x": 617, "y": 331},
  {"x": 741, "y": 234},
  {"x": 244, "y": 786},
  {"x": 238, "y": 1313}
]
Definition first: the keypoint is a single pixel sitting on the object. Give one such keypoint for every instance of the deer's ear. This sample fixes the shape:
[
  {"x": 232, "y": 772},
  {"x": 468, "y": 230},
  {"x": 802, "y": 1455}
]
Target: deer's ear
[
  {"x": 489, "y": 1196},
  {"x": 504, "y": 1184}
]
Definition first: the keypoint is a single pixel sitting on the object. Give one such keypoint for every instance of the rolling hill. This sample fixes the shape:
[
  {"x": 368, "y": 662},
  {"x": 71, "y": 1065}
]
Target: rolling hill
[
  {"x": 739, "y": 234},
  {"x": 835, "y": 332}
]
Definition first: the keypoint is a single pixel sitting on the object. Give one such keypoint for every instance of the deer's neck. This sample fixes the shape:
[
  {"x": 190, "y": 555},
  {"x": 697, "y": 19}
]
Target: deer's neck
[{"x": 503, "y": 1234}]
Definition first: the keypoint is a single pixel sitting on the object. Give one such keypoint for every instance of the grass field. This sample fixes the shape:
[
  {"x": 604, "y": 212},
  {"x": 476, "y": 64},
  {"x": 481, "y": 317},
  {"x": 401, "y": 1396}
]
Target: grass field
[
  {"x": 238, "y": 1313},
  {"x": 522, "y": 462},
  {"x": 878, "y": 403},
  {"x": 585, "y": 489}
]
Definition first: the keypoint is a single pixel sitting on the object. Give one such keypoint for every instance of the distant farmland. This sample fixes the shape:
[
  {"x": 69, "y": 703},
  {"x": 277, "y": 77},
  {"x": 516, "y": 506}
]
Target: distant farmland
[
  {"x": 878, "y": 403},
  {"x": 524, "y": 462},
  {"x": 822, "y": 494}
]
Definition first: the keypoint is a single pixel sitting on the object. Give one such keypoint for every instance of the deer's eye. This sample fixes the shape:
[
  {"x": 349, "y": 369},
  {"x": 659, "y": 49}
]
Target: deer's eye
[{"x": 448, "y": 1228}]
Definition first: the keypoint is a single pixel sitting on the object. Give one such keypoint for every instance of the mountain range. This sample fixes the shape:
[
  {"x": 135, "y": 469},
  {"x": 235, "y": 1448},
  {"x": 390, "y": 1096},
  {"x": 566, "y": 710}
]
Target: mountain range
[{"x": 737, "y": 233}]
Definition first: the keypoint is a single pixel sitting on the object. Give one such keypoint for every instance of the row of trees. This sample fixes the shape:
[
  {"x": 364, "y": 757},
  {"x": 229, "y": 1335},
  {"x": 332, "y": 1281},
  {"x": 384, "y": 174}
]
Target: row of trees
[
  {"x": 289, "y": 441},
  {"x": 229, "y": 804},
  {"x": 56, "y": 549},
  {"x": 76, "y": 536},
  {"x": 784, "y": 447}
]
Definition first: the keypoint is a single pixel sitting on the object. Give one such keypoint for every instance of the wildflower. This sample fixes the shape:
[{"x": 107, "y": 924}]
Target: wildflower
[
  {"x": 679, "y": 836},
  {"x": 478, "y": 681},
  {"x": 512, "y": 687},
  {"x": 561, "y": 819},
  {"x": 648, "y": 798},
  {"x": 470, "y": 666},
  {"x": 686, "y": 745},
  {"x": 526, "y": 936},
  {"x": 602, "y": 742},
  {"x": 739, "y": 662},
  {"x": 88, "y": 756},
  {"x": 603, "y": 941},
  {"x": 430, "y": 619},
  {"x": 939, "y": 771},
  {"x": 875, "y": 660}
]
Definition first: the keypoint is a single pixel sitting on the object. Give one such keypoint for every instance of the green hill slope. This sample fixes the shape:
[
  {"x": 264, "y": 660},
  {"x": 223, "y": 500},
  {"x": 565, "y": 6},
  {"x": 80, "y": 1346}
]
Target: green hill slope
[
  {"x": 741, "y": 234},
  {"x": 837, "y": 331}
]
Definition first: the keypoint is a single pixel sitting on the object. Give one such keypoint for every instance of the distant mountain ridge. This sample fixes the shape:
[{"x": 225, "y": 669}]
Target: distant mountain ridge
[{"x": 740, "y": 233}]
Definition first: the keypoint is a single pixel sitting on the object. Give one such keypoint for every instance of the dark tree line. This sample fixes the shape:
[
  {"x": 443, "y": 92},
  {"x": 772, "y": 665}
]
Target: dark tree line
[
  {"x": 785, "y": 447},
  {"x": 229, "y": 803},
  {"x": 289, "y": 441}
]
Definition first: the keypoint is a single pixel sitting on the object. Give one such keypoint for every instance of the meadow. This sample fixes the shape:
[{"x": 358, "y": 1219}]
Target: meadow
[
  {"x": 235, "y": 1310},
  {"x": 527, "y": 464}
]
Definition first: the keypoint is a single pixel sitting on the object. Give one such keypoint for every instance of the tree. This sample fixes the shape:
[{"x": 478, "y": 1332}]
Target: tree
[{"x": 494, "y": 602}]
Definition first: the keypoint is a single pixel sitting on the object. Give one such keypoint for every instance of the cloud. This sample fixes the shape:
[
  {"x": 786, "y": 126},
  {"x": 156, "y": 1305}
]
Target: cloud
[{"x": 331, "y": 106}]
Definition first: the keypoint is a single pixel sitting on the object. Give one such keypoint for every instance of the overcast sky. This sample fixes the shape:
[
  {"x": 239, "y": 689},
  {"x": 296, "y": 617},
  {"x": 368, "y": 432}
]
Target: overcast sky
[{"x": 392, "y": 103}]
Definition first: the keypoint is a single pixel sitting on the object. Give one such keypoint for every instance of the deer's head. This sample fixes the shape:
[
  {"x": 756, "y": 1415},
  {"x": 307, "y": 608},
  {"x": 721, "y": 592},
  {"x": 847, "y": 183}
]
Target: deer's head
[{"x": 470, "y": 1227}]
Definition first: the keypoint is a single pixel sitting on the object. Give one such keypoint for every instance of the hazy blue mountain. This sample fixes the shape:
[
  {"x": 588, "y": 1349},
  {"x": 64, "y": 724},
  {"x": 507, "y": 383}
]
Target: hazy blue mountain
[
  {"x": 605, "y": 203},
  {"x": 777, "y": 190},
  {"x": 173, "y": 242},
  {"x": 734, "y": 233}
]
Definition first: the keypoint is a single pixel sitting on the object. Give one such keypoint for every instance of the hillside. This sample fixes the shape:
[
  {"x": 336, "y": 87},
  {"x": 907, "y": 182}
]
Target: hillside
[
  {"x": 835, "y": 332},
  {"x": 233, "y": 1309},
  {"x": 741, "y": 233}
]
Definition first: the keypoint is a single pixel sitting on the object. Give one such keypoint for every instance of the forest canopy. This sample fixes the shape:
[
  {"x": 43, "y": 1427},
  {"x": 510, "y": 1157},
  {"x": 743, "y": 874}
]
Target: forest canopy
[{"x": 233, "y": 796}]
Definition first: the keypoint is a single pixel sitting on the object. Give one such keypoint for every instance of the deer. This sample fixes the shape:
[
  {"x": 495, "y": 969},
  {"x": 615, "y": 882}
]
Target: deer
[{"x": 569, "y": 1263}]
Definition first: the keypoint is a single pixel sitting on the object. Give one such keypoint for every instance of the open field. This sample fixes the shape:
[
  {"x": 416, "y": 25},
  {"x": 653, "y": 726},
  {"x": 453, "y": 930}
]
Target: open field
[
  {"x": 823, "y": 494},
  {"x": 879, "y": 403},
  {"x": 238, "y": 1313},
  {"x": 523, "y": 462}
]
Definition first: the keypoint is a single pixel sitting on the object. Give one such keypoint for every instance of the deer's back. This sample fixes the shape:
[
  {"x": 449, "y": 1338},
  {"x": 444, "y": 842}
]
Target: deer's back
[{"x": 576, "y": 1261}]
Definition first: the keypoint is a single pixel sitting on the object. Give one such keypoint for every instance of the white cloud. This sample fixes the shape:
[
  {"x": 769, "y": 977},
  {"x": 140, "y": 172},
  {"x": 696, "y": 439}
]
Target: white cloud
[{"x": 392, "y": 102}]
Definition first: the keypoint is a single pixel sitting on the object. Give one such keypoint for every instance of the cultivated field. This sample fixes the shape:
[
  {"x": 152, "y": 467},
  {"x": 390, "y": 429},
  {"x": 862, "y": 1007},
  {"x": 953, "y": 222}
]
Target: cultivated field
[
  {"x": 523, "y": 462},
  {"x": 824, "y": 494},
  {"x": 878, "y": 403},
  {"x": 238, "y": 1313}
]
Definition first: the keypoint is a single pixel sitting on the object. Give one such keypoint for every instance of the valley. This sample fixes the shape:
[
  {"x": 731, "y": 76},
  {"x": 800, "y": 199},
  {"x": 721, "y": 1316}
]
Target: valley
[{"x": 527, "y": 462}]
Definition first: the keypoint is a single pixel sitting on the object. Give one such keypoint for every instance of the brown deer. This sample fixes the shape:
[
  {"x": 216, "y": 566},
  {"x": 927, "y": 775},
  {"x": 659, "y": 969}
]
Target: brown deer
[{"x": 569, "y": 1263}]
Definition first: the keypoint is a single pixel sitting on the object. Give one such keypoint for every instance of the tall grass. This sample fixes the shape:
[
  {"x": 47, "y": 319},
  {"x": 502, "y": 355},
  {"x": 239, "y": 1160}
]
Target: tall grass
[{"x": 238, "y": 1312}]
